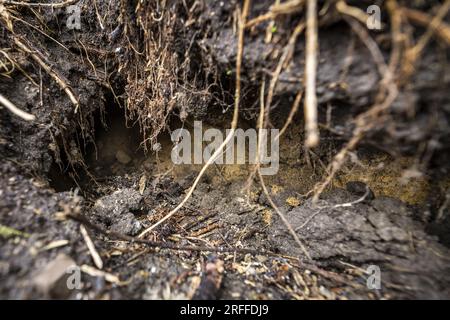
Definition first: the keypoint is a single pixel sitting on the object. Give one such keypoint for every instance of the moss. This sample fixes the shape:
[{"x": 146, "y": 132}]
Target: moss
[
  {"x": 7, "y": 232},
  {"x": 293, "y": 201}
]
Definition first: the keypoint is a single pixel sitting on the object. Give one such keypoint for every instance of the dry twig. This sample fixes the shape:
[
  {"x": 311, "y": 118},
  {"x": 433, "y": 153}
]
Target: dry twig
[{"x": 94, "y": 254}]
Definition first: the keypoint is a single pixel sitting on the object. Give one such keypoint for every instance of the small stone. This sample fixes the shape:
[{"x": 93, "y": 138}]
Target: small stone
[
  {"x": 120, "y": 201},
  {"x": 51, "y": 281},
  {"x": 123, "y": 157}
]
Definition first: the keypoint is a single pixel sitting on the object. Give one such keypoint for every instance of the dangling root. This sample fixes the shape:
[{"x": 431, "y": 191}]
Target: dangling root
[
  {"x": 388, "y": 88},
  {"x": 257, "y": 169},
  {"x": 415, "y": 52},
  {"x": 367, "y": 120},
  {"x": 287, "y": 52},
  {"x": 423, "y": 19}
]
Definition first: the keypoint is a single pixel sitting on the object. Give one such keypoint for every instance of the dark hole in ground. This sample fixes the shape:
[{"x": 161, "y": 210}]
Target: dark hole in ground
[
  {"x": 117, "y": 148},
  {"x": 59, "y": 178},
  {"x": 116, "y": 151}
]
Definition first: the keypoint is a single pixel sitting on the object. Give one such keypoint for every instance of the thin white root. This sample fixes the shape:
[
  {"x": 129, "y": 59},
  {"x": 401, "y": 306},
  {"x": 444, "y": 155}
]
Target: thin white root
[
  {"x": 234, "y": 122},
  {"x": 91, "y": 247},
  {"x": 283, "y": 218},
  {"x": 11, "y": 107},
  {"x": 311, "y": 127}
]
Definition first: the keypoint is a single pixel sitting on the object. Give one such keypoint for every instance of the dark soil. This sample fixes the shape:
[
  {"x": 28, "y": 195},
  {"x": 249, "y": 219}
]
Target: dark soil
[{"x": 111, "y": 162}]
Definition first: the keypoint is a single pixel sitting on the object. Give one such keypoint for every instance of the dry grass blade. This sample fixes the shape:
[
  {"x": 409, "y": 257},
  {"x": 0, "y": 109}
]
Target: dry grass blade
[{"x": 352, "y": 11}]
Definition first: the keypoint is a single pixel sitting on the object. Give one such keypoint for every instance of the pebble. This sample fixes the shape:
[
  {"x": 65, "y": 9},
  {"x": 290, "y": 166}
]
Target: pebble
[{"x": 51, "y": 281}]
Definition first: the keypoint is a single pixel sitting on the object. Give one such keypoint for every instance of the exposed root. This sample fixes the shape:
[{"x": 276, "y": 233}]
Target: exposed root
[
  {"x": 260, "y": 125},
  {"x": 282, "y": 217},
  {"x": 294, "y": 109},
  {"x": 412, "y": 54},
  {"x": 367, "y": 120},
  {"x": 4, "y": 14},
  {"x": 354, "y": 12},
  {"x": 54, "y": 74},
  {"x": 41, "y": 5},
  {"x": 424, "y": 20},
  {"x": 388, "y": 89},
  {"x": 277, "y": 9},
  {"x": 11, "y": 107},
  {"x": 257, "y": 168},
  {"x": 7, "y": 66}
]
